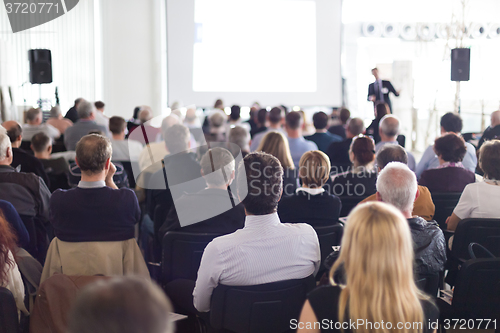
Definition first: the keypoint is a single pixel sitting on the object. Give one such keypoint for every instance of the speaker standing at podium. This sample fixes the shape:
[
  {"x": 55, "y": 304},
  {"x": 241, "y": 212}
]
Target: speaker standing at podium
[{"x": 380, "y": 89}]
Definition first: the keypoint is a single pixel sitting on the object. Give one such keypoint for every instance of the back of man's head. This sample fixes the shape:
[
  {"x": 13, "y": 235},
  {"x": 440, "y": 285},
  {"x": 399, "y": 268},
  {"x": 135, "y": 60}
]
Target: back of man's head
[
  {"x": 5, "y": 145},
  {"x": 99, "y": 105},
  {"x": 13, "y": 129},
  {"x": 55, "y": 112},
  {"x": 145, "y": 115},
  {"x": 217, "y": 166},
  {"x": 320, "y": 120},
  {"x": 117, "y": 125},
  {"x": 397, "y": 185},
  {"x": 262, "y": 116},
  {"x": 40, "y": 142},
  {"x": 85, "y": 109},
  {"x": 262, "y": 174},
  {"x": 275, "y": 116},
  {"x": 495, "y": 118},
  {"x": 235, "y": 112},
  {"x": 216, "y": 120},
  {"x": 92, "y": 152},
  {"x": 121, "y": 305},
  {"x": 356, "y": 126},
  {"x": 391, "y": 153},
  {"x": 177, "y": 138},
  {"x": 389, "y": 126},
  {"x": 451, "y": 122},
  {"x": 168, "y": 122},
  {"x": 32, "y": 115},
  {"x": 240, "y": 137},
  {"x": 345, "y": 114},
  {"x": 78, "y": 100},
  {"x": 293, "y": 120}
]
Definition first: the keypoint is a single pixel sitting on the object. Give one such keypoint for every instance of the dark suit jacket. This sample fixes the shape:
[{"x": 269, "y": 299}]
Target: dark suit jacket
[
  {"x": 450, "y": 179},
  {"x": 29, "y": 163},
  {"x": 337, "y": 130},
  {"x": 489, "y": 134},
  {"x": 372, "y": 90},
  {"x": 317, "y": 210},
  {"x": 350, "y": 184},
  {"x": 197, "y": 206},
  {"x": 339, "y": 155},
  {"x": 72, "y": 114},
  {"x": 372, "y": 130}
]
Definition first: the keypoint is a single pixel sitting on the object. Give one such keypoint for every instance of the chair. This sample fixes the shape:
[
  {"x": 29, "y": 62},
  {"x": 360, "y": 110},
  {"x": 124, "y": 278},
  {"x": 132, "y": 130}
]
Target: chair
[
  {"x": 445, "y": 204},
  {"x": 129, "y": 168},
  {"x": 428, "y": 283},
  {"x": 401, "y": 139},
  {"x": 261, "y": 308},
  {"x": 8, "y": 312},
  {"x": 181, "y": 254},
  {"x": 485, "y": 232},
  {"x": 348, "y": 203},
  {"x": 328, "y": 237}
]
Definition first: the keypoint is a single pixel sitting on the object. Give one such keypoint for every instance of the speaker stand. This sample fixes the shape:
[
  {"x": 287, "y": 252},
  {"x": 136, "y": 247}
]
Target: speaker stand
[{"x": 40, "y": 96}]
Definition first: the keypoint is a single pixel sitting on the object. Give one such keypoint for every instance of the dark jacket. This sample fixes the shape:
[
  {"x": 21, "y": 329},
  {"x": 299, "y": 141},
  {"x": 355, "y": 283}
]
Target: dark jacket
[
  {"x": 489, "y": 134},
  {"x": 350, "y": 184},
  {"x": 372, "y": 130},
  {"x": 290, "y": 181},
  {"x": 339, "y": 155},
  {"x": 17, "y": 225},
  {"x": 429, "y": 245},
  {"x": 324, "y": 140},
  {"x": 450, "y": 179},
  {"x": 316, "y": 210},
  {"x": 28, "y": 163},
  {"x": 373, "y": 90},
  {"x": 338, "y": 130},
  {"x": 72, "y": 114}
]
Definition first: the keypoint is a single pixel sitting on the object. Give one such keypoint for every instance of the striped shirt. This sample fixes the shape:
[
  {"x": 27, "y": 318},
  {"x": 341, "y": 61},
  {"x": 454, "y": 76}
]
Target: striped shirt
[{"x": 264, "y": 251}]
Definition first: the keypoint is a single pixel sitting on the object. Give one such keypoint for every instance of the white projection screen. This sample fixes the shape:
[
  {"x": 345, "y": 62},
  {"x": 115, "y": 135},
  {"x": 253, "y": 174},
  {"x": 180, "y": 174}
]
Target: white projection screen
[{"x": 242, "y": 51}]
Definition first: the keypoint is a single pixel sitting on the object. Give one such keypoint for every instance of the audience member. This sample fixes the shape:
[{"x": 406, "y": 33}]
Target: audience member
[
  {"x": 339, "y": 151},
  {"x": 260, "y": 118},
  {"x": 389, "y": 130},
  {"x": 85, "y": 124},
  {"x": 423, "y": 205},
  {"x": 322, "y": 138},
  {"x": 34, "y": 125},
  {"x": 72, "y": 113},
  {"x": 251, "y": 121},
  {"x": 360, "y": 180},
  {"x": 340, "y": 129},
  {"x": 381, "y": 109},
  {"x": 21, "y": 159},
  {"x": 298, "y": 145},
  {"x": 450, "y": 123},
  {"x": 481, "y": 199},
  {"x": 216, "y": 127},
  {"x": 379, "y": 281},
  {"x": 276, "y": 144},
  {"x": 214, "y": 211},
  {"x": 311, "y": 203},
  {"x": 134, "y": 121},
  {"x": 121, "y": 305},
  {"x": 96, "y": 210},
  {"x": 57, "y": 169},
  {"x": 235, "y": 119},
  {"x": 56, "y": 119},
  {"x": 493, "y": 131},
  {"x": 397, "y": 185},
  {"x": 100, "y": 118},
  {"x": 450, "y": 175},
  {"x": 275, "y": 119},
  {"x": 191, "y": 120},
  {"x": 219, "y": 104},
  {"x": 144, "y": 133},
  {"x": 260, "y": 252},
  {"x": 16, "y": 224},
  {"x": 239, "y": 136},
  {"x": 123, "y": 149}
]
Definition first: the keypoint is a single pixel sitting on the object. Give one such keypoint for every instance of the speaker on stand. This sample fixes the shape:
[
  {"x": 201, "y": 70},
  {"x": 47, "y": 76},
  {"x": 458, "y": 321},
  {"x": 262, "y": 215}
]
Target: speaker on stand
[
  {"x": 460, "y": 69},
  {"x": 40, "y": 68}
]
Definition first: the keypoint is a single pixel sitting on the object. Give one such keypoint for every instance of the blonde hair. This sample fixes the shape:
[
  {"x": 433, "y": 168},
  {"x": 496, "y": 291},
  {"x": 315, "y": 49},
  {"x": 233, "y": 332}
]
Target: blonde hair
[
  {"x": 377, "y": 255},
  {"x": 314, "y": 168},
  {"x": 276, "y": 144}
]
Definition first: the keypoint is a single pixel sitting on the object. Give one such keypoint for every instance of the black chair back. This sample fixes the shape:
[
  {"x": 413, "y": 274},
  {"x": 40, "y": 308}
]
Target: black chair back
[
  {"x": 265, "y": 308},
  {"x": 401, "y": 139},
  {"x": 39, "y": 237},
  {"x": 348, "y": 203},
  {"x": 445, "y": 203},
  {"x": 428, "y": 283},
  {"x": 482, "y": 231},
  {"x": 8, "y": 312},
  {"x": 181, "y": 254},
  {"x": 477, "y": 289},
  {"x": 131, "y": 168},
  {"x": 328, "y": 237}
]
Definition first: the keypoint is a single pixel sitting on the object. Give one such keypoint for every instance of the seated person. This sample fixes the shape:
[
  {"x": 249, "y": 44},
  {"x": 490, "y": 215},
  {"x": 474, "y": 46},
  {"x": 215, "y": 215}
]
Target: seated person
[
  {"x": 250, "y": 255},
  {"x": 381, "y": 109},
  {"x": 493, "y": 131},
  {"x": 340, "y": 118},
  {"x": 298, "y": 145},
  {"x": 56, "y": 119},
  {"x": 377, "y": 301},
  {"x": 481, "y": 199},
  {"x": 450, "y": 175},
  {"x": 85, "y": 124},
  {"x": 389, "y": 130},
  {"x": 339, "y": 151},
  {"x": 397, "y": 185},
  {"x": 311, "y": 203},
  {"x": 450, "y": 123},
  {"x": 322, "y": 138},
  {"x": 16, "y": 224},
  {"x": 123, "y": 149},
  {"x": 214, "y": 211},
  {"x": 137, "y": 134},
  {"x": 360, "y": 180},
  {"x": 57, "y": 169},
  {"x": 240, "y": 137},
  {"x": 34, "y": 119},
  {"x": 22, "y": 159},
  {"x": 96, "y": 210},
  {"x": 423, "y": 206}
]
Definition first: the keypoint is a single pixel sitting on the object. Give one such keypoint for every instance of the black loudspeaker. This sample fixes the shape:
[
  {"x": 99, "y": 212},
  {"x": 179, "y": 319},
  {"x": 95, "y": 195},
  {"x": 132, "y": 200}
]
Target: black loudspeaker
[
  {"x": 40, "y": 66},
  {"x": 460, "y": 64}
]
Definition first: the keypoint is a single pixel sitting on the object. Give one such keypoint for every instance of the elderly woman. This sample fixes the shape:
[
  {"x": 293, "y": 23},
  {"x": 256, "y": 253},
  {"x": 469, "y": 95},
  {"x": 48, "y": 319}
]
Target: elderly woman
[
  {"x": 450, "y": 176},
  {"x": 311, "y": 203}
]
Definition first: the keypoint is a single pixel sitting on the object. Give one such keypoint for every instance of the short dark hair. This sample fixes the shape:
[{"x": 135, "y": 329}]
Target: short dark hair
[
  {"x": 33, "y": 113},
  {"x": 489, "y": 159},
  {"x": 293, "y": 120},
  {"x": 121, "y": 304},
  {"x": 235, "y": 112},
  {"x": 451, "y": 122},
  {"x": 14, "y": 132},
  {"x": 450, "y": 147},
  {"x": 99, "y": 105},
  {"x": 391, "y": 153},
  {"x": 117, "y": 125},
  {"x": 262, "y": 174},
  {"x": 40, "y": 142},
  {"x": 320, "y": 120},
  {"x": 78, "y": 100},
  {"x": 92, "y": 152},
  {"x": 345, "y": 114},
  {"x": 276, "y": 114},
  {"x": 262, "y": 116}
]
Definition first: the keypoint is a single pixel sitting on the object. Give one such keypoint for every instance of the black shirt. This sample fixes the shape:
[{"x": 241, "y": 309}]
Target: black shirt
[
  {"x": 72, "y": 114},
  {"x": 489, "y": 134},
  {"x": 324, "y": 302},
  {"x": 339, "y": 155},
  {"x": 28, "y": 163},
  {"x": 316, "y": 210}
]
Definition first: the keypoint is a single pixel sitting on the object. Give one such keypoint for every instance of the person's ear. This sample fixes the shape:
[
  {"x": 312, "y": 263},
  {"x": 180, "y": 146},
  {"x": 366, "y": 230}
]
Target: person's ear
[
  {"x": 351, "y": 156},
  {"x": 76, "y": 161},
  {"x": 378, "y": 196},
  {"x": 19, "y": 138},
  {"x": 49, "y": 149},
  {"x": 108, "y": 164},
  {"x": 418, "y": 194}
]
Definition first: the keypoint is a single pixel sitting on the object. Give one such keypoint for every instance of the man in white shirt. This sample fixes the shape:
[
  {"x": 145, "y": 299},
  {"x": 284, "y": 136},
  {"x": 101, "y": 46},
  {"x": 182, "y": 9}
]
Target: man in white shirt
[
  {"x": 123, "y": 150},
  {"x": 265, "y": 250},
  {"x": 100, "y": 118},
  {"x": 34, "y": 125}
]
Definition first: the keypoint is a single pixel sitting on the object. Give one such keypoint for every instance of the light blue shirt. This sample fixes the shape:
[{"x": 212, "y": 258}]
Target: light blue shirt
[
  {"x": 298, "y": 146},
  {"x": 411, "y": 159},
  {"x": 429, "y": 160}
]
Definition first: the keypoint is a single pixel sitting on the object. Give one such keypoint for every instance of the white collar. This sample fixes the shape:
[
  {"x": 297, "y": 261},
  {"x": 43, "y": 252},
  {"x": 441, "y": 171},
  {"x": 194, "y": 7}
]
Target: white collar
[
  {"x": 311, "y": 191},
  {"x": 95, "y": 184}
]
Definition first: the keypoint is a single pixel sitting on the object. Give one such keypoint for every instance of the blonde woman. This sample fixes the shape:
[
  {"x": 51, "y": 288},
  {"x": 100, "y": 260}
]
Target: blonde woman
[
  {"x": 377, "y": 256},
  {"x": 311, "y": 203},
  {"x": 276, "y": 144}
]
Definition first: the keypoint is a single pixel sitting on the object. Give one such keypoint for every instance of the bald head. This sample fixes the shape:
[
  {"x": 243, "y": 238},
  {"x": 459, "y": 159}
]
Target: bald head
[
  {"x": 145, "y": 115},
  {"x": 93, "y": 152},
  {"x": 14, "y": 132},
  {"x": 495, "y": 118},
  {"x": 389, "y": 128}
]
